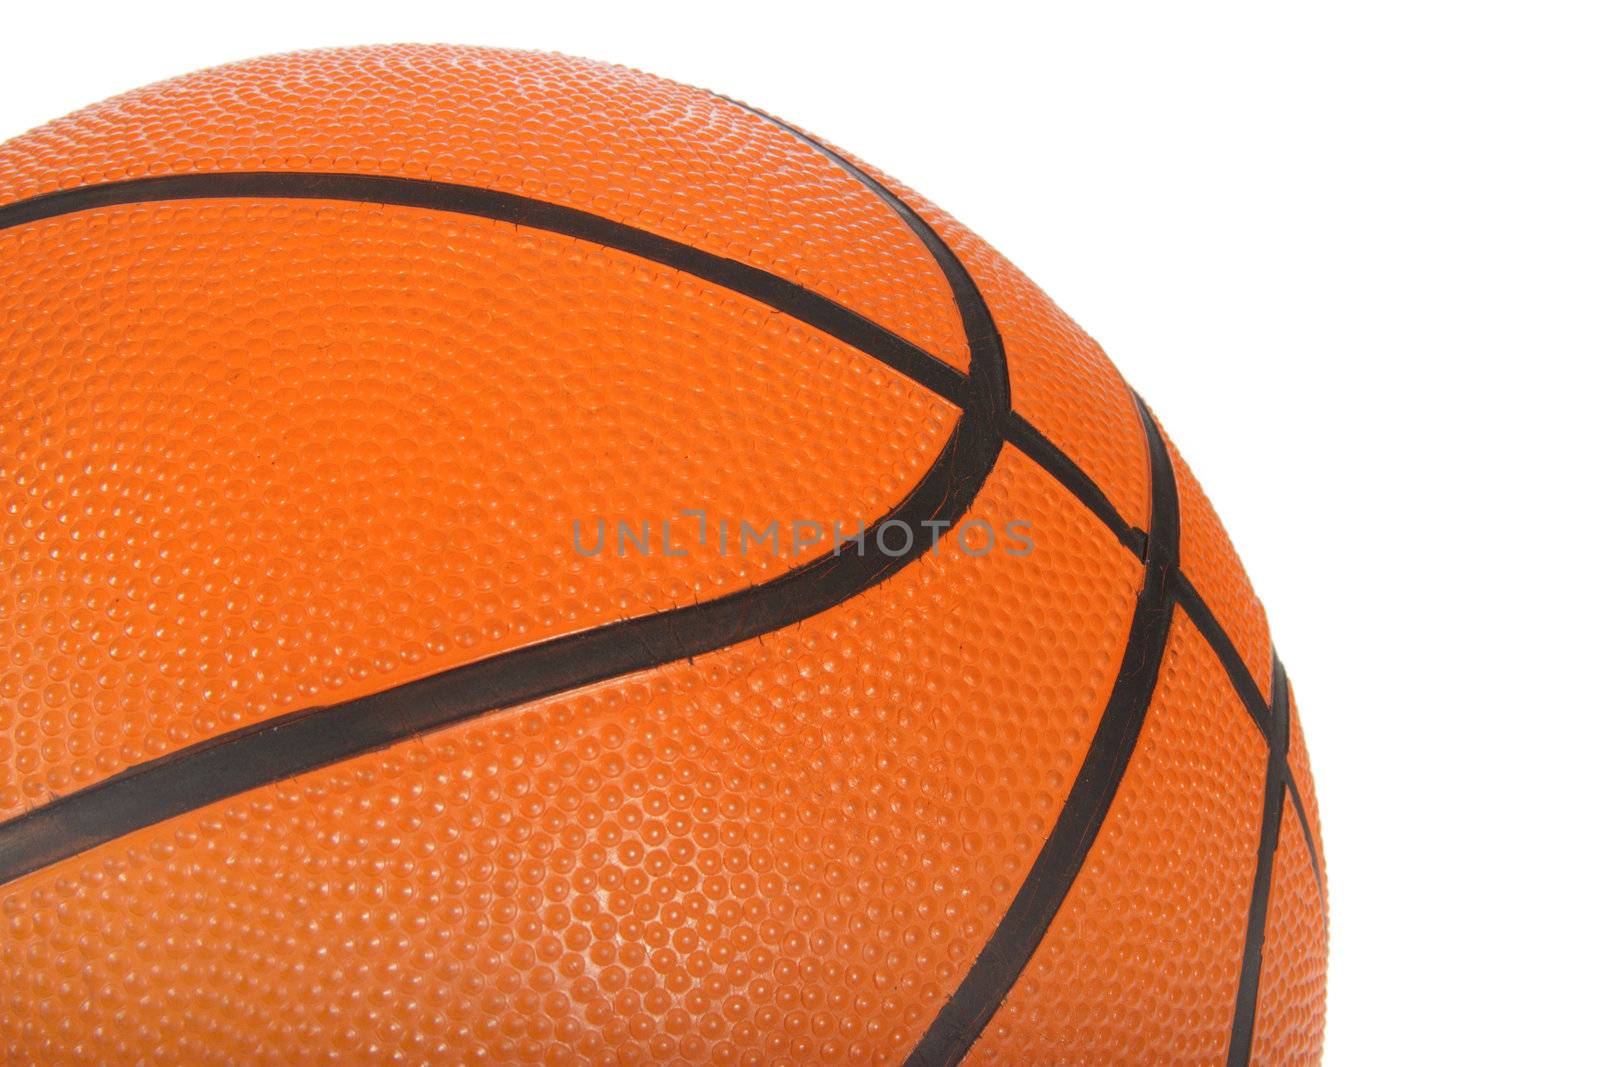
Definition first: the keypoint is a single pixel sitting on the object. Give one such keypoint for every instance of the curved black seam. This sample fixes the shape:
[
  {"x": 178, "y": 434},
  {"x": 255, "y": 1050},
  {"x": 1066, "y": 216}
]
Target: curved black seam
[
  {"x": 962, "y": 1018},
  {"x": 793, "y": 300},
  {"x": 1055, "y": 462},
  {"x": 1233, "y": 665},
  {"x": 1039, "y": 448},
  {"x": 1043, "y": 451},
  {"x": 1019, "y": 432},
  {"x": 1244, "y": 684},
  {"x": 312, "y": 738},
  {"x": 976, "y": 320},
  {"x": 1299, "y": 806},
  {"x": 1244, "y": 1010}
]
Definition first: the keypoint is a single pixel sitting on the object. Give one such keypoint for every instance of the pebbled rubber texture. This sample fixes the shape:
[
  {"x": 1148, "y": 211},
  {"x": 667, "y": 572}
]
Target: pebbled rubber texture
[
  {"x": 410, "y": 500},
  {"x": 639, "y": 149},
  {"x": 1289, "y": 1012},
  {"x": 791, "y": 849},
  {"x": 1212, "y": 564},
  {"x": 1300, "y": 773},
  {"x": 263, "y": 455},
  {"x": 1176, "y": 855}
]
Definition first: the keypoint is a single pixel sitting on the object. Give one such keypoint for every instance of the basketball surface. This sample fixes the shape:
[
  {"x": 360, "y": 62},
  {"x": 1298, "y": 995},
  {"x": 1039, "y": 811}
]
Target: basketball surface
[{"x": 426, "y": 633}]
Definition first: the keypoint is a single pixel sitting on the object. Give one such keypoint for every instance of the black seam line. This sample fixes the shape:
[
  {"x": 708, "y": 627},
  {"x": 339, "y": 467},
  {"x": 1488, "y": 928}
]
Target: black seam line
[
  {"x": 312, "y": 738},
  {"x": 1044, "y": 452},
  {"x": 962, "y": 1018},
  {"x": 1233, "y": 665},
  {"x": 1244, "y": 684},
  {"x": 793, "y": 300},
  {"x": 1019, "y": 432},
  {"x": 976, "y": 320},
  {"x": 1305, "y": 831},
  {"x": 1244, "y": 1008},
  {"x": 1039, "y": 448}
]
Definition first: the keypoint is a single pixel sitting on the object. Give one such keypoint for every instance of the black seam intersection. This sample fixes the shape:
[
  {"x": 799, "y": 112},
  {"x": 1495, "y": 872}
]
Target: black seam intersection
[
  {"x": 305, "y": 740},
  {"x": 1039, "y": 448},
  {"x": 1260, "y": 713},
  {"x": 1036, "y": 446},
  {"x": 962, "y": 1018}
]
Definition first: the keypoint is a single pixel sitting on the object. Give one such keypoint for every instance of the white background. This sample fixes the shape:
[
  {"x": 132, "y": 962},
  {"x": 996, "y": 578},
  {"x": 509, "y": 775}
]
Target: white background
[{"x": 1350, "y": 256}]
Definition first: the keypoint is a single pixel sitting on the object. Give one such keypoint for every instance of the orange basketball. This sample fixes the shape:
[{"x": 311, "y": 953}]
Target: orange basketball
[{"x": 512, "y": 560}]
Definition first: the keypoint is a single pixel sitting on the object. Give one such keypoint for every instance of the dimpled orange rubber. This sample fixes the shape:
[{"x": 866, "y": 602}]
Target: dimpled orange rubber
[{"x": 263, "y": 455}]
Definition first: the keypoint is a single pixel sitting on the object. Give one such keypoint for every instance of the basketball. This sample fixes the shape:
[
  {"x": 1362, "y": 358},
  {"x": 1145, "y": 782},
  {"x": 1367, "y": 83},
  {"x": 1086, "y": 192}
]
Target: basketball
[{"x": 511, "y": 560}]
